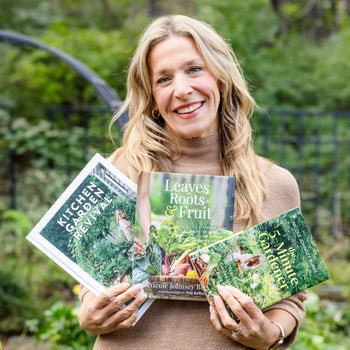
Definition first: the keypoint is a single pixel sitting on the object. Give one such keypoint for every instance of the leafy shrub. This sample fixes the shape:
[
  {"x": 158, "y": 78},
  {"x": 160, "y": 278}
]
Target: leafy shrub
[
  {"x": 26, "y": 275},
  {"x": 326, "y": 326},
  {"x": 13, "y": 302},
  {"x": 61, "y": 327}
]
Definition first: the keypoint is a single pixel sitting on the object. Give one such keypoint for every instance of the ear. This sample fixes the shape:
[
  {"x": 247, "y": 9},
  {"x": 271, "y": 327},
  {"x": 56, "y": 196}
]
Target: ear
[
  {"x": 154, "y": 106},
  {"x": 220, "y": 86}
]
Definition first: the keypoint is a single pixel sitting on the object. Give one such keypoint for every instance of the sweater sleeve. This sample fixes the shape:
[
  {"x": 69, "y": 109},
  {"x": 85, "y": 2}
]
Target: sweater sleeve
[
  {"x": 283, "y": 191},
  {"x": 294, "y": 305},
  {"x": 284, "y": 195}
]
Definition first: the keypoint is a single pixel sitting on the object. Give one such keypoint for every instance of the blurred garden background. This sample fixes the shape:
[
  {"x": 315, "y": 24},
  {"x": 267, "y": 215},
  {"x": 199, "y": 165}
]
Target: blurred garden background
[{"x": 296, "y": 57}]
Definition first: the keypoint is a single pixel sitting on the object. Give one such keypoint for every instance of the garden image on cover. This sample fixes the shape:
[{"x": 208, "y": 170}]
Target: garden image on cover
[
  {"x": 94, "y": 228},
  {"x": 269, "y": 262},
  {"x": 178, "y": 213}
]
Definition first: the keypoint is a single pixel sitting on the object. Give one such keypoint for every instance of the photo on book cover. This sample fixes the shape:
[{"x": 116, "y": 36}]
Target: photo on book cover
[
  {"x": 176, "y": 214},
  {"x": 269, "y": 261},
  {"x": 89, "y": 231}
]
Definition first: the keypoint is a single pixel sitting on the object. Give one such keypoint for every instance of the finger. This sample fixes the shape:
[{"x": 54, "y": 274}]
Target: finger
[
  {"x": 127, "y": 323},
  {"x": 88, "y": 297},
  {"x": 226, "y": 319},
  {"x": 139, "y": 300},
  {"x": 125, "y": 312},
  {"x": 218, "y": 324},
  {"x": 215, "y": 318},
  {"x": 105, "y": 296},
  {"x": 138, "y": 249},
  {"x": 246, "y": 303},
  {"x": 229, "y": 296},
  {"x": 104, "y": 320},
  {"x": 116, "y": 302}
]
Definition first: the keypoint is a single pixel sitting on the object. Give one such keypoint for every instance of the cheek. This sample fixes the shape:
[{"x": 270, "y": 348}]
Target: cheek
[
  {"x": 215, "y": 101},
  {"x": 160, "y": 99},
  {"x": 218, "y": 98}
]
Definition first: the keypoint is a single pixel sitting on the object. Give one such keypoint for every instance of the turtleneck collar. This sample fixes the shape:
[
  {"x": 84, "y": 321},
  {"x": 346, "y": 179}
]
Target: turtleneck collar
[{"x": 198, "y": 156}]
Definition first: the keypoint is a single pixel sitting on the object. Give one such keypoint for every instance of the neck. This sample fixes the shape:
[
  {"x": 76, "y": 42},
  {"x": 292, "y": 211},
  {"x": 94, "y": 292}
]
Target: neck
[{"x": 198, "y": 156}]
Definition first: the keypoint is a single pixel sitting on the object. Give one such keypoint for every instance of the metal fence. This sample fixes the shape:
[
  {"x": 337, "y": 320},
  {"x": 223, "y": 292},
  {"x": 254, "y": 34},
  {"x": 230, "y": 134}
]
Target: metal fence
[
  {"x": 61, "y": 143},
  {"x": 314, "y": 146}
]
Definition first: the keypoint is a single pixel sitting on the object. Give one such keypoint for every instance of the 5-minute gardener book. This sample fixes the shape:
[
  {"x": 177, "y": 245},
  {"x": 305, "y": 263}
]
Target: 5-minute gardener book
[
  {"x": 269, "y": 261},
  {"x": 82, "y": 232}
]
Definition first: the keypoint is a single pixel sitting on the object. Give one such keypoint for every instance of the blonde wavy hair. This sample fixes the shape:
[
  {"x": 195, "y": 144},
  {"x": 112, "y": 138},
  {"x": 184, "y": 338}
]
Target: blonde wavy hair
[{"x": 148, "y": 146}]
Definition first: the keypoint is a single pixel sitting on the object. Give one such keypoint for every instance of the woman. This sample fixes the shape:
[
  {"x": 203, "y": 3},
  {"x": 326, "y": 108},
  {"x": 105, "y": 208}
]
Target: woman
[
  {"x": 189, "y": 110},
  {"x": 123, "y": 223}
]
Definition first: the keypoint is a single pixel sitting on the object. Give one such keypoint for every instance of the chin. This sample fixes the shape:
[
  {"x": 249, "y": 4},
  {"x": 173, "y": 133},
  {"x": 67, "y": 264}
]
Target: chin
[
  {"x": 191, "y": 136},
  {"x": 192, "y": 133}
]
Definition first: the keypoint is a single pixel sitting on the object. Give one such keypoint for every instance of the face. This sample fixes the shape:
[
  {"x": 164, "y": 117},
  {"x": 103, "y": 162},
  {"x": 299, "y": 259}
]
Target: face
[{"x": 186, "y": 94}]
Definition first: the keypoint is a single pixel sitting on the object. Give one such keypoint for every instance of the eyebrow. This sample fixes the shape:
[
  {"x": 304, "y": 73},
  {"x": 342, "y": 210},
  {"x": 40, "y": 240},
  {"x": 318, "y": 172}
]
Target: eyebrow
[{"x": 197, "y": 61}]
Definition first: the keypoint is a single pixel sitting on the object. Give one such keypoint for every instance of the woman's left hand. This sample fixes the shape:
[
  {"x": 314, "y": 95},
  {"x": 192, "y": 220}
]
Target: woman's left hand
[{"x": 253, "y": 329}]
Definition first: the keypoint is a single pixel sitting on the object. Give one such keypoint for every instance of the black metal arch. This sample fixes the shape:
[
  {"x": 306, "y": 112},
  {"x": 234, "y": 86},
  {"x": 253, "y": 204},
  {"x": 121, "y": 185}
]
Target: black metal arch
[{"x": 102, "y": 88}]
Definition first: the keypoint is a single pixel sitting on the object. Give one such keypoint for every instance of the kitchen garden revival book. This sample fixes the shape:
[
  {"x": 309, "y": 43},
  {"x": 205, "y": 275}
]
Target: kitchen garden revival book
[
  {"x": 89, "y": 231},
  {"x": 269, "y": 261},
  {"x": 178, "y": 213}
]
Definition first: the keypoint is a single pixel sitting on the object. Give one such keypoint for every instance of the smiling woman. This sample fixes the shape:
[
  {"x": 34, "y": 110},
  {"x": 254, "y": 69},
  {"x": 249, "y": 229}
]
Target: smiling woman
[
  {"x": 189, "y": 110},
  {"x": 185, "y": 92}
]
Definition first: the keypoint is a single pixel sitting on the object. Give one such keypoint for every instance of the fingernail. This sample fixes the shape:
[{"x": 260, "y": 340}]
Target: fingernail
[
  {"x": 143, "y": 298},
  {"x": 220, "y": 288},
  {"x": 136, "y": 288},
  {"x": 216, "y": 299},
  {"x": 124, "y": 285}
]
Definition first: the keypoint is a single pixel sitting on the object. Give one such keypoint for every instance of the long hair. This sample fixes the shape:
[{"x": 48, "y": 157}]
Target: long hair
[
  {"x": 148, "y": 146},
  {"x": 118, "y": 215}
]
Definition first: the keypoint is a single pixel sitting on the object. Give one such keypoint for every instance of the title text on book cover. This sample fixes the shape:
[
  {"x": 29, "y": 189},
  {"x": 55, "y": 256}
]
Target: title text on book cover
[
  {"x": 198, "y": 198},
  {"x": 282, "y": 259},
  {"x": 84, "y": 210}
]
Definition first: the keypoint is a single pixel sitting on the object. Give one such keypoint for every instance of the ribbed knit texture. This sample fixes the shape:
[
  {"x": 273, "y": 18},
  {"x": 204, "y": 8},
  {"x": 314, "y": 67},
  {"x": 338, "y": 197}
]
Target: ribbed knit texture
[{"x": 181, "y": 325}]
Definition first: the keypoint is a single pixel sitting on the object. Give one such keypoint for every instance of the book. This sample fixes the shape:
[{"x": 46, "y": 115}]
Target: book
[
  {"x": 89, "y": 231},
  {"x": 269, "y": 261},
  {"x": 176, "y": 214}
]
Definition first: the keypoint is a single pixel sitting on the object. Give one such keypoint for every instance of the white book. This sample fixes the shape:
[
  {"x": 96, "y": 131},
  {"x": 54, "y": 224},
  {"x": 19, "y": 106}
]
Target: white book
[{"x": 89, "y": 231}]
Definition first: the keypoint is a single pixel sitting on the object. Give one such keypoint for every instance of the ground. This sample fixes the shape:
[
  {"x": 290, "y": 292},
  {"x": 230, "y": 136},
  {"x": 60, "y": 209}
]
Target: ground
[{"x": 22, "y": 343}]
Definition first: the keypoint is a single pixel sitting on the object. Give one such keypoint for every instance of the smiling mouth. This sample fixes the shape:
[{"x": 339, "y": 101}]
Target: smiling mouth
[{"x": 189, "y": 109}]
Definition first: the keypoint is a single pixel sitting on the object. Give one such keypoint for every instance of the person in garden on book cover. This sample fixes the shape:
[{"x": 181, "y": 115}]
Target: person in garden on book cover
[
  {"x": 123, "y": 223},
  {"x": 189, "y": 109}
]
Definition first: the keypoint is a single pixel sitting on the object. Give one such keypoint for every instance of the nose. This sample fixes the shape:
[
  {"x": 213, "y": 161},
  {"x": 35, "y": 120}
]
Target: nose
[{"x": 182, "y": 86}]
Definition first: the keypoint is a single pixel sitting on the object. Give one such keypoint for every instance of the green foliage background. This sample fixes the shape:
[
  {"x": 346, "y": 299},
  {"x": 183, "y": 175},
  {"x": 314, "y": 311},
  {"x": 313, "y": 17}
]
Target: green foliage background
[{"x": 293, "y": 57}]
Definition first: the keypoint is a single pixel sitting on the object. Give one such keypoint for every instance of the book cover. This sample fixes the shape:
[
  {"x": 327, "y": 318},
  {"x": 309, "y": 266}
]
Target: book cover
[
  {"x": 89, "y": 231},
  {"x": 269, "y": 262},
  {"x": 178, "y": 213}
]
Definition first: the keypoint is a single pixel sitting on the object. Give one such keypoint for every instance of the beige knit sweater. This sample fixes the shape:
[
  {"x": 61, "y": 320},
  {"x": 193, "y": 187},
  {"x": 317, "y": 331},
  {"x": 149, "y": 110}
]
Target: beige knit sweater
[{"x": 172, "y": 325}]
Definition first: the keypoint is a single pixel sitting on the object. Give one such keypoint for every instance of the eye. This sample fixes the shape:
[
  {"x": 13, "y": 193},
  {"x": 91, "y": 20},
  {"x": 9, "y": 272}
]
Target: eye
[
  {"x": 195, "y": 69},
  {"x": 163, "y": 80}
]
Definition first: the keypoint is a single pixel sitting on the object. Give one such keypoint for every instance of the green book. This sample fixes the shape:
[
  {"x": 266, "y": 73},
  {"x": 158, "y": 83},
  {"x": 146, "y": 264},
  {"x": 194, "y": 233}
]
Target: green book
[
  {"x": 178, "y": 213},
  {"x": 269, "y": 261}
]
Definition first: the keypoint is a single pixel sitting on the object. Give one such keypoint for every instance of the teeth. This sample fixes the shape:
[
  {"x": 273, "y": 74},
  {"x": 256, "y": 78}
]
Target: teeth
[{"x": 189, "y": 109}]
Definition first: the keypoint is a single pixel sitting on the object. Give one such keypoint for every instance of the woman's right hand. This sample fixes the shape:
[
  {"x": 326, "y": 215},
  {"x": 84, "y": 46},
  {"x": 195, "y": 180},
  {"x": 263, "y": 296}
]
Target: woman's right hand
[
  {"x": 138, "y": 248},
  {"x": 107, "y": 312}
]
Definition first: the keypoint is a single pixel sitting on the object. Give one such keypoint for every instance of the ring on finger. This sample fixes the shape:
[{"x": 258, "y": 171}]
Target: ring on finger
[{"x": 236, "y": 333}]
